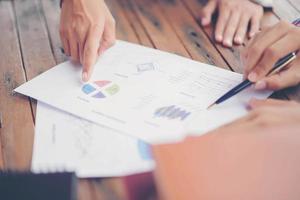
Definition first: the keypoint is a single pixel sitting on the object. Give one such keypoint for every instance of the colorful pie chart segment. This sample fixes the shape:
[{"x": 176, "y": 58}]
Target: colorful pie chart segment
[{"x": 100, "y": 89}]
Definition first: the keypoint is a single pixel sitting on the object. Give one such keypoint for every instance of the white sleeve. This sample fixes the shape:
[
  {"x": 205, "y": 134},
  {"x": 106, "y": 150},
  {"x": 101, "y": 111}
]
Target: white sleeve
[{"x": 264, "y": 3}]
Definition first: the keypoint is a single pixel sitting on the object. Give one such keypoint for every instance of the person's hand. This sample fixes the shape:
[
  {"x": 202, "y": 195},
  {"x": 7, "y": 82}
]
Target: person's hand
[
  {"x": 268, "y": 114},
  {"x": 265, "y": 50},
  {"x": 233, "y": 19},
  {"x": 87, "y": 29}
]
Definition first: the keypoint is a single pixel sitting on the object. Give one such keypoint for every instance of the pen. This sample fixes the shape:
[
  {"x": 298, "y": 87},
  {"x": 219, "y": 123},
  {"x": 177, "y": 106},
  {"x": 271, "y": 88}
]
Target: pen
[{"x": 283, "y": 62}]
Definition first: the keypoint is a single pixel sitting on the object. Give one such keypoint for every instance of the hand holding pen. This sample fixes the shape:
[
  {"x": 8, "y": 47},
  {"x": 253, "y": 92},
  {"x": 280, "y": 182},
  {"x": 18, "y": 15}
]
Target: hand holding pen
[
  {"x": 264, "y": 51},
  {"x": 271, "y": 60}
]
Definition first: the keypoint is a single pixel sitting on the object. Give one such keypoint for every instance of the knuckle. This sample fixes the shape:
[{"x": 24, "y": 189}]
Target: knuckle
[
  {"x": 230, "y": 30},
  {"x": 62, "y": 32},
  {"x": 74, "y": 58},
  {"x": 257, "y": 112},
  {"x": 259, "y": 11},
  {"x": 69, "y": 33},
  {"x": 96, "y": 28},
  {"x": 254, "y": 50},
  {"x": 87, "y": 51},
  {"x": 74, "y": 26},
  {"x": 283, "y": 25},
  {"x": 271, "y": 53},
  {"x": 263, "y": 121},
  {"x": 274, "y": 84},
  {"x": 226, "y": 4},
  {"x": 294, "y": 31},
  {"x": 261, "y": 69}
]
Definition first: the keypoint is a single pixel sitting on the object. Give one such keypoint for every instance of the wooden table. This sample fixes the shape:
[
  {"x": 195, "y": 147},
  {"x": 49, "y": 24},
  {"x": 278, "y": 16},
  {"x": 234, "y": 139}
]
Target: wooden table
[{"x": 30, "y": 45}]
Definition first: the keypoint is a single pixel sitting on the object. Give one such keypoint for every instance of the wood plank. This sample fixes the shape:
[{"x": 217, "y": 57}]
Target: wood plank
[
  {"x": 84, "y": 191},
  {"x": 194, "y": 39},
  {"x": 35, "y": 44},
  {"x": 158, "y": 28},
  {"x": 124, "y": 30},
  {"x": 51, "y": 13},
  {"x": 132, "y": 17},
  {"x": 17, "y": 122},
  {"x": 231, "y": 55},
  {"x": 34, "y": 40},
  {"x": 108, "y": 188},
  {"x": 295, "y": 4},
  {"x": 285, "y": 10}
]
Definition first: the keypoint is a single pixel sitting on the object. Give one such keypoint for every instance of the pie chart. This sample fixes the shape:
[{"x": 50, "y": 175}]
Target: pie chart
[{"x": 100, "y": 89}]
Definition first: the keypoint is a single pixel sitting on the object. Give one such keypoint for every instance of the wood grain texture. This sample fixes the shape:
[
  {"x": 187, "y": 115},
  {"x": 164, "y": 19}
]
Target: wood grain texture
[
  {"x": 17, "y": 123},
  {"x": 135, "y": 23},
  {"x": 51, "y": 14},
  {"x": 285, "y": 10},
  {"x": 159, "y": 30},
  {"x": 193, "y": 38},
  {"x": 30, "y": 37},
  {"x": 34, "y": 39},
  {"x": 123, "y": 27},
  {"x": 295, "y": 4},
  {"x": 231, "y": 55}
]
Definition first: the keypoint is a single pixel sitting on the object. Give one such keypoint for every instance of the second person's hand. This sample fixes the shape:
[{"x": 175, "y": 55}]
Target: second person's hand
[
  {"x": 266, "y": 49},
  {"x": 87, "y": 29},
  {"x": 234, "y": 17}
]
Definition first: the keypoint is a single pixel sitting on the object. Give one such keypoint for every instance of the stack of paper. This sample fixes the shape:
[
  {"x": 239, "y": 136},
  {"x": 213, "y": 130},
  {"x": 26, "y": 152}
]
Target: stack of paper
[
  {"x": 135, "y": 91},
  {"x": 64, "y": 142}
]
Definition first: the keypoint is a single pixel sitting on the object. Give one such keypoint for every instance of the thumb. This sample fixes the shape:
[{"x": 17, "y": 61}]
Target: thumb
[
  {"x": 207, "y": 12},
  {"x": 108, "y": 38},
  {"x": 284, "y": 79}
]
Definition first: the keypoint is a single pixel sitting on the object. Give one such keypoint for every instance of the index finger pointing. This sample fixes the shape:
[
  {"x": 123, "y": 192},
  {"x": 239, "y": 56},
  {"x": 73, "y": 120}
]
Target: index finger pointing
[{"x": 90, "y": 53}]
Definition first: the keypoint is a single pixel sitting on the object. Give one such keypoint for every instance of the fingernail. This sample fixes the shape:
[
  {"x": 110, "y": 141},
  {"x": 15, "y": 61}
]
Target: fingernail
[
  {"x": 204, "y": 21},
  {"x": 238, "y": 40},
  {"x": 84, "y": 76},
  {"x": 219, "y": 38},
  {"x": 252, "y": 76},
  {"x": 260, "y": 85},
  {"x": 228, "y": 42}
]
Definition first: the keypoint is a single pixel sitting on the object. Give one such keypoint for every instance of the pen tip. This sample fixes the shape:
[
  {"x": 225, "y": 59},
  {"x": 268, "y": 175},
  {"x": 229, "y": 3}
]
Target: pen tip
[{"x": 210, "y": 106}]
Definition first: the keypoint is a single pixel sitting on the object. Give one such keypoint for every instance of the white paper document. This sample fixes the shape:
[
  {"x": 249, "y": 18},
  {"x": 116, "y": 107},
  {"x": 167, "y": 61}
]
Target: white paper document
[
  {"x": 146, "y": 93},
  {"x": 64, "y": 142}
]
